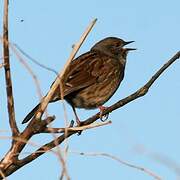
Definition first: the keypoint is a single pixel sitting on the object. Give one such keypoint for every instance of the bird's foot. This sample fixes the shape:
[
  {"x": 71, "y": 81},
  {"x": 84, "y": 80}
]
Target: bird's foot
[
  {"x": 79, "y": 123},
  {"x": 101, "y": 116}
]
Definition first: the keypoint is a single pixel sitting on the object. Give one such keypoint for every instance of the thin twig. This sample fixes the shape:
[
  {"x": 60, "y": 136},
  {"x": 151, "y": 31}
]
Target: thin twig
[
  {"x": 63, "y": 163},
  {"x": 31, "y": 143},
  {"x": 76, "y": 129},
  {"x": 145, "y": 170},
  {"x": 9, "y": 91},
  {"x": 34, "y": 60},
  {"x": 29, "y": 69}
]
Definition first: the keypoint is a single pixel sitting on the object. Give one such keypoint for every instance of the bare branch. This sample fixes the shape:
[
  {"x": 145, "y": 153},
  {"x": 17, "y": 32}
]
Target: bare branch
[
  {"x": 75, "y": 129},
  {"x": 34, "y": 60},
  {"x": 145, "y": 170},
  {"x": 9, "y": 91},
  {"x": 141, "y": 92},
  {"x": 31, "y": 72}
]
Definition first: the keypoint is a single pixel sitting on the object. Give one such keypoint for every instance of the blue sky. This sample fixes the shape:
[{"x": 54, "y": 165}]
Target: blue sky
[{"x": 47, "y": 32}]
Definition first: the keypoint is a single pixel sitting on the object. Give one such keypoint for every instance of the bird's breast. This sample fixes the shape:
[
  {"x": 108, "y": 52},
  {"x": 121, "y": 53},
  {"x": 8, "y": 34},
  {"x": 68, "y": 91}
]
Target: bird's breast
[{"x": 95, "y": 95}]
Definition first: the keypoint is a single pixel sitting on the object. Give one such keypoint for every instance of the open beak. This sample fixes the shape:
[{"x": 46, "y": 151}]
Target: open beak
[{"x": 129, "y": 49}]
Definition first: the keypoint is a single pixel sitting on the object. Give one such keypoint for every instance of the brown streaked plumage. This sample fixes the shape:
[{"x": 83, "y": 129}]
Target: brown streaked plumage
[{"x": 92, "y": 78}]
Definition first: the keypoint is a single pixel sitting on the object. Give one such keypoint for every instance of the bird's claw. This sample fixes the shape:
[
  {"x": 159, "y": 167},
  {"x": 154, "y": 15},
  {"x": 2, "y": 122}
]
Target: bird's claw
[
  {"x": 79, "y": 123},
  {"x": 102, "y": 117}
]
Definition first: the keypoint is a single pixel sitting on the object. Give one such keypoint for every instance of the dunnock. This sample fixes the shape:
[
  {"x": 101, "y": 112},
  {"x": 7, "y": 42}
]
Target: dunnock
[{"x": 93, "y": 77}]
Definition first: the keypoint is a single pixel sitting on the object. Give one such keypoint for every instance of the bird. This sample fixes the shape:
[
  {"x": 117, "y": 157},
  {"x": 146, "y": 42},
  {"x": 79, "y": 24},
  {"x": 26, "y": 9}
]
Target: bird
[{"x": 92, "y": 78}]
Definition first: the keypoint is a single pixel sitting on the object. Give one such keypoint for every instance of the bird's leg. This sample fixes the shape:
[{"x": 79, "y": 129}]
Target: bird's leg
[
  {"x": 77, "y": 119},
  {"x": 102, "y": 108},
  {"x": 76, "y": 116}
]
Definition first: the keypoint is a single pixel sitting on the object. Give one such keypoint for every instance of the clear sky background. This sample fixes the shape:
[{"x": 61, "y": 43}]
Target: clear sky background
[{"x": 46, "y": 30}]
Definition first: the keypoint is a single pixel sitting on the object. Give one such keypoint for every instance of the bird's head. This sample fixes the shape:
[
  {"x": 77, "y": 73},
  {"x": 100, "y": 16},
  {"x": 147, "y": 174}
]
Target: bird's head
[{"x": 113, "y": 46}]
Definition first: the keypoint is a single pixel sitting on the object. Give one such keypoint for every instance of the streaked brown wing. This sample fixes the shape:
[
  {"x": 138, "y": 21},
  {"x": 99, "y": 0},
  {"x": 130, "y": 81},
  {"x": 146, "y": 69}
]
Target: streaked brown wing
[{"x": 79, "y": 74}]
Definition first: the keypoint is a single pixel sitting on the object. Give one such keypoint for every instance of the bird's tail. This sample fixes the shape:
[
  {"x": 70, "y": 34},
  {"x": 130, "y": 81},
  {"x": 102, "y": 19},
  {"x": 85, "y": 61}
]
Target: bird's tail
[{"x": 30, "y": 114}]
